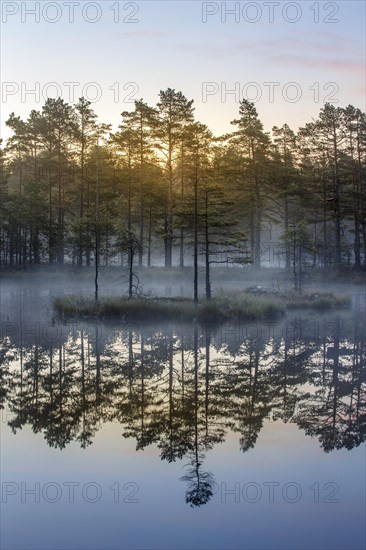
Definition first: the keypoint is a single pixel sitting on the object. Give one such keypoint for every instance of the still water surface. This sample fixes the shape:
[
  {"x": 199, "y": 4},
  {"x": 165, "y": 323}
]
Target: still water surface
[{"x": 182, "y": 436}]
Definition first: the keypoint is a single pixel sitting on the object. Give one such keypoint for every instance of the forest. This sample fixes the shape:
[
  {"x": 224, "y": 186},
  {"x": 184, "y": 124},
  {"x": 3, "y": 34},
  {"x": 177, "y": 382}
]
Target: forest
[{"x": 163, "y": 190}]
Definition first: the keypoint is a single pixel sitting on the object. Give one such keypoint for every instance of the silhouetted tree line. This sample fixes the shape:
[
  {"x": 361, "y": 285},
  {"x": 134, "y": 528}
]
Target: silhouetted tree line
[{"x": 73, "y": 191}]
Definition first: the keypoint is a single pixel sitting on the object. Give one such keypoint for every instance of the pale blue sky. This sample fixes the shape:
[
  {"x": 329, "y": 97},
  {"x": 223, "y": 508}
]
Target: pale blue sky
[{"x": 169, "y": 45}]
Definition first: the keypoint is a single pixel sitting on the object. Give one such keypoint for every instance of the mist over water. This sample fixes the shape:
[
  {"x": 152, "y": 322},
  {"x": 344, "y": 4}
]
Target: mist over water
[{"x": 174, "y": 422}]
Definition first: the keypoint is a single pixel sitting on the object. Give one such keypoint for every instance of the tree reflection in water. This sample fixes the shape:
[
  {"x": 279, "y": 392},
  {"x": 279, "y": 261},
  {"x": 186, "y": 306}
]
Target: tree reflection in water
[{"x": 183, "y": 388}]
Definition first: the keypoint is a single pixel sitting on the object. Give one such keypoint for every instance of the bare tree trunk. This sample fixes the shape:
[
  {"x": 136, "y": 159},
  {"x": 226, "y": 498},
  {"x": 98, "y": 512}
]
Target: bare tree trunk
[
  {"x": 181, "y": 239},
  {"x": 169, "y": 217},
  {"x": 195, "y": 239},
  {"x": 287, "y": 251},
  {"x": 207, "y": 252},
  {"x": 149, "y": 241},
  {"x": 142, "y": 206},
  {"x": 257, "y": 222},
  {"x": 130, "y": 272}
]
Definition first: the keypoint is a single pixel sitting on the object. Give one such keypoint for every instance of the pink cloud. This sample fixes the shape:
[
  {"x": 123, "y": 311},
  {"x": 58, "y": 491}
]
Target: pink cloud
[
  {"x": 339, "y": 65},
  {"x": 143, "y": 34}
]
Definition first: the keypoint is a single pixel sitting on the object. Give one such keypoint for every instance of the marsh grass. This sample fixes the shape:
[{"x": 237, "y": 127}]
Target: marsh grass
[
  {"x": 223, "y": 307},
  {"x": 319, "y": 301}
]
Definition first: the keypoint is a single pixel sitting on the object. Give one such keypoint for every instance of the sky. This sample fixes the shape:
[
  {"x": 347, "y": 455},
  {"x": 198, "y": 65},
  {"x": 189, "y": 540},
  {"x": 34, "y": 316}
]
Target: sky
[{"x": 289, "y": 58}]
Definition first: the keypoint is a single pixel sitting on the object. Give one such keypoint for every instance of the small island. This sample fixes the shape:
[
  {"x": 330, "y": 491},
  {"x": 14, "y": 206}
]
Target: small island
[{"x": 251, "y": 304}]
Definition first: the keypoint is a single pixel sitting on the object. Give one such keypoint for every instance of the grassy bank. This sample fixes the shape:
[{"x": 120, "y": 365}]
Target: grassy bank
[
  {"x": 238, "y": 306},
  {"x": 318, "y": 301},
  {"x": 174, "y": 309}
]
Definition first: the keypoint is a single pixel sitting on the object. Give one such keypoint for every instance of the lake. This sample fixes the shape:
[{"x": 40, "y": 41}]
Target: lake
[{"x": 181, "y": 436}]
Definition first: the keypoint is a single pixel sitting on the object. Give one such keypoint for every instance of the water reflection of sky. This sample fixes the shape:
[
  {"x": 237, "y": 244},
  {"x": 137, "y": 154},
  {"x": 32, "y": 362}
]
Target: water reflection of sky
[
  {"x": 318, "y": 499},
  {"x": 161, "y": 518}
]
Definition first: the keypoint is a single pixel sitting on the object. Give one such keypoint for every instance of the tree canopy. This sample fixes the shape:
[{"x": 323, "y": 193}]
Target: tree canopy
[{"x": 183, "y": 194}]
